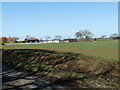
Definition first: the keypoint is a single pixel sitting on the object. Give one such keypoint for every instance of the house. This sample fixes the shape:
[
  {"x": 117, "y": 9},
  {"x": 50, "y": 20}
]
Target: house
[
  {"x": 56, "y": 41},
  {"x": 49, "y": 41},
  {"x": 6, "y": 40},
  {"x": 31, "y": 40}
]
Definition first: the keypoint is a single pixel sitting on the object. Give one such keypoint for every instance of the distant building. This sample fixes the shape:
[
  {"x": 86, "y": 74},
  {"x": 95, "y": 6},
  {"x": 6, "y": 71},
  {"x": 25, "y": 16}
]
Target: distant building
[
  {"x": 56, "y": 41},
  {"x": 116, "y": 37},
  {"x": 31, "y": 40},
  {"x": 7, "y": 40},
  {"x": 49, "y": 41},
  {"x": 70, "y": 40}
]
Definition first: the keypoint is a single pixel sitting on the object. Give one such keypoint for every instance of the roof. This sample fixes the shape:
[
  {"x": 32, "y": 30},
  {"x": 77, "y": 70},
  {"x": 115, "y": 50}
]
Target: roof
[
  {"x": 32, "y": 39},
  {"x": 6, "y": 38}
]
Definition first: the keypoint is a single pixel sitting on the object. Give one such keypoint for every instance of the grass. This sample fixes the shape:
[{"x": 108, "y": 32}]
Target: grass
[{"x": 107, "y": 50}]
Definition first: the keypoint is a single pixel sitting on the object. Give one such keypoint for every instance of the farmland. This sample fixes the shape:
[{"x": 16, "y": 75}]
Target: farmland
[
  {"x": 76, "y": 64},
  {"x": 107, "y": 50},
  {"x": 73, "y": 70}
]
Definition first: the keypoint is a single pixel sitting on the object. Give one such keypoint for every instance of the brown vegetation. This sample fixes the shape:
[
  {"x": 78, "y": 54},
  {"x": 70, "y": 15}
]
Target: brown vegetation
[{"x": 74, "y": 69}]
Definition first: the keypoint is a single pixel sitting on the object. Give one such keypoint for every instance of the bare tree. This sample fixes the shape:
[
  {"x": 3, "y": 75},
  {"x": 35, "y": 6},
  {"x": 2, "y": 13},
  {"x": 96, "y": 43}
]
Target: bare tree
[
  {"x": 28, "y": 36},
  {"x": 47, "y": 38},
  {"x": 114, "y": 35},
  {"x": 58, "y": 37},
  {"x": 84, "y": 34},
  {"x": 103, "y": 36},
  {"x": 79, "y": 34},
  {"x": 87, "y": 34},
  {"x": 14, "y": 39}
]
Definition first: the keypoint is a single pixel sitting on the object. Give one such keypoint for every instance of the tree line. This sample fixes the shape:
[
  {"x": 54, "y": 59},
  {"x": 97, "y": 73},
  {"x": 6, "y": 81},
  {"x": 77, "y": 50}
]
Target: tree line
[
  {"x": 86, "y": 34},
  {"x": 58, "y": 37},
  {"x": 82, "y": 34}
]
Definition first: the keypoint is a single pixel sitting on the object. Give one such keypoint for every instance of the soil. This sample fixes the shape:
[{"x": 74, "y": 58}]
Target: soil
[
  {"x": 95, "y": 73},
  {"x": 19, "y": 80}
]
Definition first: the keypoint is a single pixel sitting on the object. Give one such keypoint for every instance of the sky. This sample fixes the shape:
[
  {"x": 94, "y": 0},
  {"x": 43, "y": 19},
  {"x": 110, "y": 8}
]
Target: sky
[{"x": 40, "y": 19}]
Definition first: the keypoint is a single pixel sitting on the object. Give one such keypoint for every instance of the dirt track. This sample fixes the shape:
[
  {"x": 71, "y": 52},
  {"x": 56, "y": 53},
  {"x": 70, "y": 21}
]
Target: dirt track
[{"x": 13, "y": 79}]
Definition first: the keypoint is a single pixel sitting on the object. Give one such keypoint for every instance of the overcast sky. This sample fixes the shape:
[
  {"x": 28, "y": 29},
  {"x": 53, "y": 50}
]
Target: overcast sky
[{"x": 61, "y": 18}]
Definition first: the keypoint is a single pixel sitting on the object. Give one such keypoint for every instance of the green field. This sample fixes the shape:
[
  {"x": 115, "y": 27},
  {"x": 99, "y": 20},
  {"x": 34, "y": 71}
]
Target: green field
[{"x": 107, "y": 50}]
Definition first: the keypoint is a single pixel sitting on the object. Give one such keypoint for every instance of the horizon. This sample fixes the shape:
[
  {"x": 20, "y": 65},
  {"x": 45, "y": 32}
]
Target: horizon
[{"x": 40, "y": 19}]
